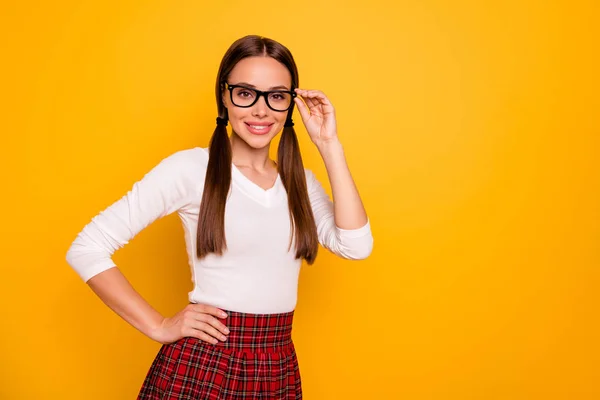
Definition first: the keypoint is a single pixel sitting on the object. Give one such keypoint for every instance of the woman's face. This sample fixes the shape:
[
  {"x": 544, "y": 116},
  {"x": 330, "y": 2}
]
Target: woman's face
[{"x": 262, "y": 73}]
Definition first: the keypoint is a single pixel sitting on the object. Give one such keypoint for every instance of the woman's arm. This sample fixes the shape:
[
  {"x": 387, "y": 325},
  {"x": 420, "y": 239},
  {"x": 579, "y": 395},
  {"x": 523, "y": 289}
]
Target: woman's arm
[
  {"x": 349, "y": 212},
  {"x": 196, "y": 320},
  {"x": 343, "y": 227},
  {"x": 162, "y": 191},
  {"x": 318, "y": 116},
  {"x": 116, "y": 292}
]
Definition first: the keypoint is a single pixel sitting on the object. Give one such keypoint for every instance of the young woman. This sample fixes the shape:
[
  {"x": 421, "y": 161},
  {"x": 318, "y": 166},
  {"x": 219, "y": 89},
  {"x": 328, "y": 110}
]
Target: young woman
[{"x": 248, "y": 221}]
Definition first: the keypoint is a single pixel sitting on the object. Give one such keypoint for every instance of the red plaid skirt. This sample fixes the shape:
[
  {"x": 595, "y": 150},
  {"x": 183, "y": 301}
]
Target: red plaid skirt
[{"x": 257, "y": 361}]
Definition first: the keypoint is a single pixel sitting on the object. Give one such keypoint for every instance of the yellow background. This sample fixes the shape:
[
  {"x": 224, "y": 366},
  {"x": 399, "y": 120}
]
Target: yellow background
[{"x": 471, "y": 129}]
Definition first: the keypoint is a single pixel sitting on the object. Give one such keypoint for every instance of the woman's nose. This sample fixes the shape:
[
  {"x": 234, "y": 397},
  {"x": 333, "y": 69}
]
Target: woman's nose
[{"x": 260, "y": 108}]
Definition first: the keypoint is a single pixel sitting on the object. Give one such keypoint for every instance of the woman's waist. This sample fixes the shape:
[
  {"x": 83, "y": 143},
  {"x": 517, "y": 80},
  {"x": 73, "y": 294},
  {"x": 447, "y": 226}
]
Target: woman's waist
[
  {"x": 257, "y": 332},
  {"x": 263, "y": 298}
]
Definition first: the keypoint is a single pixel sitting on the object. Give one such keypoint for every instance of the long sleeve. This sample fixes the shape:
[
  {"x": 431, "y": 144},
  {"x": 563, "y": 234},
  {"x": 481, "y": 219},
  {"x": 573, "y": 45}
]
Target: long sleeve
[
  {"x": 354, "y": 244},
  {"x": 161, "y": 191}
]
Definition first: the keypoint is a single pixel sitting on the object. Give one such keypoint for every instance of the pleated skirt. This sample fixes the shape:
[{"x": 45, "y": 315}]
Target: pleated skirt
[{"x": 257, "y": 361}]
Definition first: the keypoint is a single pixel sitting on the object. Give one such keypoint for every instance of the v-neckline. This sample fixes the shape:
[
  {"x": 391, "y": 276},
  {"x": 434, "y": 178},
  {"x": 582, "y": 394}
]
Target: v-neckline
[
  {"x": 266, "y": 197},
  {"x": 237, "y": 171}
]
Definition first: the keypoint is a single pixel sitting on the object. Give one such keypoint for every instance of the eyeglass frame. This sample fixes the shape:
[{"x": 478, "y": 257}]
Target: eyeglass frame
[{"x": 259, "y": 94}]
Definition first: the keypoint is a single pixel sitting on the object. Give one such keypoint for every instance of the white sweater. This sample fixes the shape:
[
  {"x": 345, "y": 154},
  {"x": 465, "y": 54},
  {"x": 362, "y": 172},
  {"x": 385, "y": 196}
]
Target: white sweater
[{"x": 256, "y": 273}]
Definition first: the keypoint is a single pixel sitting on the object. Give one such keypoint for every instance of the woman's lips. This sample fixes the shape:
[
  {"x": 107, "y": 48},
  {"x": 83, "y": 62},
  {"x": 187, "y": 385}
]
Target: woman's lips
[{"x": 259, "y": 129}]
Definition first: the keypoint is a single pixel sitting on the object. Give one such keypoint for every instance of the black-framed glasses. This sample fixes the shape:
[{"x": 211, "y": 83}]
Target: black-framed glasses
[{"x": 277, "y": 100}]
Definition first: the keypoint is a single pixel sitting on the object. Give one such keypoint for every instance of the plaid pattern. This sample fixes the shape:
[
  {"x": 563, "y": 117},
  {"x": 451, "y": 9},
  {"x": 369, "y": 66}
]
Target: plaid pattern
[{"x": 257, "y": 361}]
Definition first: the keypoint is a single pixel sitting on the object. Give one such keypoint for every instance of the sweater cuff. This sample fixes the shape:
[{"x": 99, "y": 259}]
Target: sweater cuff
[
  {"x": 89, "y": 272},
  {"x": 364, "y": 230}
]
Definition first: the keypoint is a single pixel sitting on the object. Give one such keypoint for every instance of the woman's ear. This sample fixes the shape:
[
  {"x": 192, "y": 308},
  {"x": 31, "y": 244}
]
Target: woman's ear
[
  {"x": 224, "y": 99},
  {"x": 223, "y": 95}
]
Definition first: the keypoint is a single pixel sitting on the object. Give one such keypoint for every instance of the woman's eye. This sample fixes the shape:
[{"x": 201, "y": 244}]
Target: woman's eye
[{"x": 245, "y": 94}]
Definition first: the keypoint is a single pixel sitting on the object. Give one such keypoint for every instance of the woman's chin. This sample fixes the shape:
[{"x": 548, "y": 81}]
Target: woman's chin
[{"x": 256, "y": 141}]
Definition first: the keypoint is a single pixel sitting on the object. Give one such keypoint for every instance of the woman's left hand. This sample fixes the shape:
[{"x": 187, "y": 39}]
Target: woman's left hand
[{"x": 318, "y": 116}]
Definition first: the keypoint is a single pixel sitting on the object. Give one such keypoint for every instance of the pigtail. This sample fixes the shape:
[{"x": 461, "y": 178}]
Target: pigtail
[
  {"x": 210, "y": 236},
  {"x": 302, "y": 221}
]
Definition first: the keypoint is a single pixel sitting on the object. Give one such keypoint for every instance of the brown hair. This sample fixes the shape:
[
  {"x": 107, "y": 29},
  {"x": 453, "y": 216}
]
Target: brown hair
[{"x": 211, "y": 222}]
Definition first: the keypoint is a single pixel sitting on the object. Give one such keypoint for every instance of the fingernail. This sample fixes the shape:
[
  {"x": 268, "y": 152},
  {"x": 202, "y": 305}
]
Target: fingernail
[
  {"x": 226, "y": 330},
  {"x": 223, "y": 315}
]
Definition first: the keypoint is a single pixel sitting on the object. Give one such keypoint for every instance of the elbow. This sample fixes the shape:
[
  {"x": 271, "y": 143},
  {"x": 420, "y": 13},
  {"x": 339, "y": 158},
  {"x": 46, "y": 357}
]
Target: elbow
[
  {"x": 358, "y": 250},
  {"x": 87, "y": 261},
  {"x": 353, "y": 244},
  {"x": 73, "y": 260},
  {"x": 70, "y": 257},
  {"x": 363, "y": 252}
]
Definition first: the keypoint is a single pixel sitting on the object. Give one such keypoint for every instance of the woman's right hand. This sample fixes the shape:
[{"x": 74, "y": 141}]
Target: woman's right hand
[{"x": 195, "y": 320}]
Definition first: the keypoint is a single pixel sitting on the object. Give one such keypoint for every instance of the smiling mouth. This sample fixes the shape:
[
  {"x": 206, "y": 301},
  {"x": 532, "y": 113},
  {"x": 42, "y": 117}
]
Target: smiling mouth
[{"x": 258, "y": 129}]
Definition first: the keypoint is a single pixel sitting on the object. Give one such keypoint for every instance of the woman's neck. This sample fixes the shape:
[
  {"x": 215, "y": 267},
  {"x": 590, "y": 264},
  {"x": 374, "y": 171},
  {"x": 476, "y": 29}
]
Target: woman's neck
[{"x": 246, "y": 156}]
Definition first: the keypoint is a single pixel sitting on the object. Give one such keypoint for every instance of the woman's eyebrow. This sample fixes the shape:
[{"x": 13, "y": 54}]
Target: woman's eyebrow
[{"x": 254, "y": 87}]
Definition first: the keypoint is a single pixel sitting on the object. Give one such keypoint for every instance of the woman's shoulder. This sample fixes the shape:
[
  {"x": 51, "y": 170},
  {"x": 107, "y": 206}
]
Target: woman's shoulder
[
  {"x": 192, "y": 158},
  {"x": 186, "y": 165}
]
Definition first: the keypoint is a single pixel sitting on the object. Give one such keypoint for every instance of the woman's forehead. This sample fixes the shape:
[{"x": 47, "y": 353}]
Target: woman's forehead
[{"x": 263, "y": 73}]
